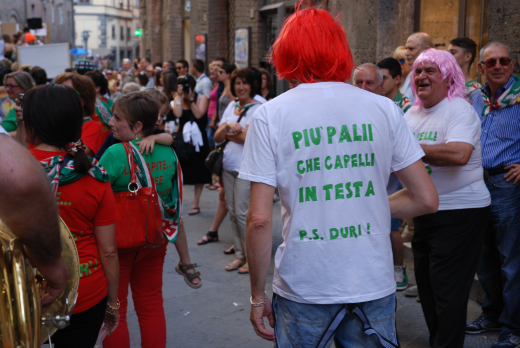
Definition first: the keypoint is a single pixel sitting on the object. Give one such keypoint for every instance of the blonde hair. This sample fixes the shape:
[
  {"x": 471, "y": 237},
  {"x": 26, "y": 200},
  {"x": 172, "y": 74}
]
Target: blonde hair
[{"x": 400, "y": 53}]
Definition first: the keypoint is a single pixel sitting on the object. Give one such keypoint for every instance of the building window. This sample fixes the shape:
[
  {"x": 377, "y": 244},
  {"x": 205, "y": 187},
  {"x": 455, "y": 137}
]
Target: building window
[
  {"x": 84, "y": 1},
  {"x": 52, "y": 12},
  {"x": 128, "y": 34},
  {"x": 32, "y": 11},
  {"x": 122, "y": 34},
  {"x": 113, "y": 32},
  {"x": 60, "y": 9}
]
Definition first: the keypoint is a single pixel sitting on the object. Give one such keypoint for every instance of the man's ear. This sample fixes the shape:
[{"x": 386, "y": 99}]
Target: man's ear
[
  {"x": 398, "y": 79},
  {"x": 480, "y": 68},
  {"x": 467, "y": 56}
]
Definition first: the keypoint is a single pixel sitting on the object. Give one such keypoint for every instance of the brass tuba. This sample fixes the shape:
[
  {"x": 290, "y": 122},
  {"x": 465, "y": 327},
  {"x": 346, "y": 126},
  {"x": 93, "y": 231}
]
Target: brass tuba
[{"x": 21, "y": 320}]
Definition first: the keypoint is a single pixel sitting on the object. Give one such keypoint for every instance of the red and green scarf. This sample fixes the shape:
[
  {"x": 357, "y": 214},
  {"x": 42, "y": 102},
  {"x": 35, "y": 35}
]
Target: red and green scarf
[
  {"x": 403, "y": 102},
  {"x": 171, "y": 206},
  {"x": 64, "y": 175},
  {"x": 510, "y": 97},
  {"x": 104, "y": 110}
]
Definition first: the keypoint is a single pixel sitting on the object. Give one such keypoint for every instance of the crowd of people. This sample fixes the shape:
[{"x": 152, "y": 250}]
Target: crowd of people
[{"x": 431, "y": 157}]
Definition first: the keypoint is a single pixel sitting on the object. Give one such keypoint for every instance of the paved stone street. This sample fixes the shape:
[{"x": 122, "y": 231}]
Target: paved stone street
[{"x": 217, "y": 315}]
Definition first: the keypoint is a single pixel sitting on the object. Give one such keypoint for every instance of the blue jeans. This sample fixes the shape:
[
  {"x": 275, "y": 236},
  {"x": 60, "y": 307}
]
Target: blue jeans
[
  {"x": 499, "y": 266},
  {"x": 211, "y": 133},
  {"x": 301, "y": 325}
]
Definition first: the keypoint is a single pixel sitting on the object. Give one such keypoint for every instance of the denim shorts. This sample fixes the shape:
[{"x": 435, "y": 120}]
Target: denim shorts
[{"x": 301, "y": 325}]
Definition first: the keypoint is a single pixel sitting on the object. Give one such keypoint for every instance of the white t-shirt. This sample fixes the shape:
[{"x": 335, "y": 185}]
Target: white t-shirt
[
  {"x": 459, "y": 187},
  {"x": 233, "y": 151},
  {"x": 330, "y": 147}
]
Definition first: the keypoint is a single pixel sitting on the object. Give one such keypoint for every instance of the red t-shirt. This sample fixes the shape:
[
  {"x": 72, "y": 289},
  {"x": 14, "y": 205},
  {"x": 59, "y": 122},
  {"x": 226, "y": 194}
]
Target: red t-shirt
[
  {"x": 84, "y": 204},
  {"x": 105, "y": 130},
  {"x": 92, "y": 135}
]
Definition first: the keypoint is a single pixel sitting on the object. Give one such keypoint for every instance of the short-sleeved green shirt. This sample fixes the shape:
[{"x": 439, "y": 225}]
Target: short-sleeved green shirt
[
  {"x": 10, "y": 122},
  {"x": 162, "y": 164}
]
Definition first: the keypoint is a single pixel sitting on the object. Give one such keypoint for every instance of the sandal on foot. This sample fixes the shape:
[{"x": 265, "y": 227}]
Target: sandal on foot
[
  {"x": 244, "y": 269},
  {"x": 194, "y": 211},
  {"x": 230, "y": 250},
  {"x": 188, "y": 277},
  {"x": 210, "y": 237},
  {"x": 236, "y": 264},
  {"x": 213, "y": 187}
]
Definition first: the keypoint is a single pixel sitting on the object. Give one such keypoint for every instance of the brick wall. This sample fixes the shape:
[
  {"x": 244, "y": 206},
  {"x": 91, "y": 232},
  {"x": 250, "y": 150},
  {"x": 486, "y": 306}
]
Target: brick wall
[{"x": 217, "y": 29}]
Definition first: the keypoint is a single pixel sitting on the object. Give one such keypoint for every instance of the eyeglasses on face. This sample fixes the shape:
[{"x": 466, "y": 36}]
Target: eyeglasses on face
[
  {"x": 11, "y": 86},
  {"x": 491, "y": 62},
  {"x": 221, "y": 72},
  {"x": 178, "y": 68}
]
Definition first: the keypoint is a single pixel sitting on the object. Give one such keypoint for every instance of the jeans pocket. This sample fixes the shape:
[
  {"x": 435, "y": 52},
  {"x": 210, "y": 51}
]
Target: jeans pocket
[
  {"x": 499, "y": 182},
  {"x": 304, "y": 324}
]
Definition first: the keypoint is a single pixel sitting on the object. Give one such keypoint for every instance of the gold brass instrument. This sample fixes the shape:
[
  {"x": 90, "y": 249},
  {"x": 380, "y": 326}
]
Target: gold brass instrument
[{"x": 21, "y": 320}]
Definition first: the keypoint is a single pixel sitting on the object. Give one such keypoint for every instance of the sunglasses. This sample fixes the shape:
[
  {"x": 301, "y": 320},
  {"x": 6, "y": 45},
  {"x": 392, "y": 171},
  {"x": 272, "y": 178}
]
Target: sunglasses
[
  {"x": 491, "y": 62},
  {"x": 401, "y": 61},
  {"x": 178, "y": 68},
  {"x": 221, "y": 72}
]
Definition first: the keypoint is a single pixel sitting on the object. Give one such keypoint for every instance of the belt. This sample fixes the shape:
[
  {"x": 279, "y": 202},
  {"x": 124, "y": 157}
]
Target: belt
[{"x": 495, "y": 171}]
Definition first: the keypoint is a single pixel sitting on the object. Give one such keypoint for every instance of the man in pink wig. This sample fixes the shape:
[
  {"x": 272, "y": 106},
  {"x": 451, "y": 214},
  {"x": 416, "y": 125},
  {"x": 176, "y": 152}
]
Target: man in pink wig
[{"x": 447, "y": 244}]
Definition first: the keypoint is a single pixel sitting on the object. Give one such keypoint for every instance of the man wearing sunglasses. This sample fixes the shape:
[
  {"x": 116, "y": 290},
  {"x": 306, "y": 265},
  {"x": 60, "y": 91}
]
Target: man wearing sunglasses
[{"x": 498, "y": 106}]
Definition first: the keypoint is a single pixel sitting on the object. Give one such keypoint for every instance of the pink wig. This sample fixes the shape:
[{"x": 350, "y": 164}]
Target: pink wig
[
  {"x": 312, "y": 46},
  {"x": 449, "y": 69}
]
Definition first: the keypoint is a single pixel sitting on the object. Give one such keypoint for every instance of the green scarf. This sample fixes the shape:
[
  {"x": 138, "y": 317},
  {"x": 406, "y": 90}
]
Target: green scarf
[
  {"x": 510, "y": 97},
  {"x": 171, "y": 205},
  {"x": 60, "y": 175},
  {"x": 104, "y": 110},
  {"x": 403, "y": 102}
]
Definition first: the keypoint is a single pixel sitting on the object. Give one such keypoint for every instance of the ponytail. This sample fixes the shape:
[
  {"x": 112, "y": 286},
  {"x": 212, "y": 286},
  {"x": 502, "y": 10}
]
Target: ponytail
[{"x": 82, "y": 163}]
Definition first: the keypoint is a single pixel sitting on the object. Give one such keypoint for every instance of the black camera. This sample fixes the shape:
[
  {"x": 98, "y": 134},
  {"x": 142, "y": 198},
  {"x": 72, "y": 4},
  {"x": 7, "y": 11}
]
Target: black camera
[{"x": 184, "y": 82}]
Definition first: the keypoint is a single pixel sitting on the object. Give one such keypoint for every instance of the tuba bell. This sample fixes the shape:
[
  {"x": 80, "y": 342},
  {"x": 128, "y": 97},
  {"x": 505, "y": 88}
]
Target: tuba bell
[{"x": 21, "y": 320}]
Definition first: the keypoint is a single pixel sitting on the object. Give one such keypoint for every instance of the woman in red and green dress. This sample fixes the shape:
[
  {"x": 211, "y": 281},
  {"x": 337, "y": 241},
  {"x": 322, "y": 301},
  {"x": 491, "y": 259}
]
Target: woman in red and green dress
[{"x": 53, "y": 119}]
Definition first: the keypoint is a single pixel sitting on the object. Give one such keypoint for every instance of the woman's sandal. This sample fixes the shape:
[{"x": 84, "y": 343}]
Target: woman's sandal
[
  {"x": 194, "y": 211},
  {"x": 236, "y": 264},
  {"x": 230, "y": 250},
  {"x": 210, "y": 237},
  {"x": 188, "y": 277},
  {"x": 244, "y": 269}
]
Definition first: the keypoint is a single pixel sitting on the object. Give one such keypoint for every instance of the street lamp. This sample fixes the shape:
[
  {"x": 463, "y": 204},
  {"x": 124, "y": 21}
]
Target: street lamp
[{"x": 85, "y": 35}]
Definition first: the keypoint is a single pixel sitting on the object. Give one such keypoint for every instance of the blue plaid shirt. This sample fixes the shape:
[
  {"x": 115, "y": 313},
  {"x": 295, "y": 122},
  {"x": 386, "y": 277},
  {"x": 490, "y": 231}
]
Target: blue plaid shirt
[{"x": 500, "y": 137}]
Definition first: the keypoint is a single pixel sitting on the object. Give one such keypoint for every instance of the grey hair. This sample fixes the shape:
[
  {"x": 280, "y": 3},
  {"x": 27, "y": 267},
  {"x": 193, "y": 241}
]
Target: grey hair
[
  {"x": 379, "y": 73},
  {"x": 126, "y": 60},
  {"x": 491, "y": 44},
  {"x": 23, "y": 79},
  {"x": 131, "y": 87}
]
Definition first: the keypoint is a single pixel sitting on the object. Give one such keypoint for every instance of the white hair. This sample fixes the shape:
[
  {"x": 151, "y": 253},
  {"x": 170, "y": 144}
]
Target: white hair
[
  {"x": 491, "y": 44},
  {"x": 379, "y": 73},
  {"x": 126, "y": 60}
]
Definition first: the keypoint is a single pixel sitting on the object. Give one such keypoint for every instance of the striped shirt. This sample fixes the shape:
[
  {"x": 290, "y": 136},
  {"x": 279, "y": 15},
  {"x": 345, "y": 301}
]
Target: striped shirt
[{"x": 500, "y": 137}]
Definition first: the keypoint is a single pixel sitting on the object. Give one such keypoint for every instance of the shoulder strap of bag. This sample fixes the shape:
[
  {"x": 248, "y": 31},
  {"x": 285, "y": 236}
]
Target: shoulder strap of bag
[
  {"x": 242, "y": 114},
  {"x": 131, "y": 163}
]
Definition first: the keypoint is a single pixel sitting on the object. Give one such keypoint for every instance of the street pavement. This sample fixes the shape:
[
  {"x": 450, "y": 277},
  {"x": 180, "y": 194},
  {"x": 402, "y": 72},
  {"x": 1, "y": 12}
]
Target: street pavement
[{"x": 217, "y": 314}]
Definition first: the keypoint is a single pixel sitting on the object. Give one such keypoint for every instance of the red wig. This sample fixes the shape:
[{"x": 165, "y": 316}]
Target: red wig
[{"x": 312, "y": 46}]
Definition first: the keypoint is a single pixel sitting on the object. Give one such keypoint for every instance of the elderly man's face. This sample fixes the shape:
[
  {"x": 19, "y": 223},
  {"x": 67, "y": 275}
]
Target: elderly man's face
[
  {"x": 127, "y": 65},
  {"x": 413, "y": 48},
  {"x": 429, "y": 84},
  {"x": 499, "y": 74},
  {"x": 149, "y": 70},
  {"x": 143, "y": 64},
  {"x": 366, "y": 78}
]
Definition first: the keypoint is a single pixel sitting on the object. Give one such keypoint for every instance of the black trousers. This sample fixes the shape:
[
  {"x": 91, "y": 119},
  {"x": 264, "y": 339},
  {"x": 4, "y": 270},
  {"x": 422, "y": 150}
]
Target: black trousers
[
  {"x": 446, "y": 248},
  {"x": 83, "y": 329}
]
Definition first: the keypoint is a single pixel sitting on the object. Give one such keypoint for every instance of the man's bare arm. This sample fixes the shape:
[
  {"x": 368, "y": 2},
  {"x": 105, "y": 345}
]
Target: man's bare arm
[
  {"x": 259, "y": 242},
  {"x": 28, "y": 207},
  {"x": 450, "y": 154},
  {"x": 418, "y": 198}
]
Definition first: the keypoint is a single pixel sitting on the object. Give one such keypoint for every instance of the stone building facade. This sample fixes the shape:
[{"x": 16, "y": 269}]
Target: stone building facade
[
  {"x": 58, "y": 15},
  {"x": 111, "y": 26},
  {"x": 374, "y": 27}
]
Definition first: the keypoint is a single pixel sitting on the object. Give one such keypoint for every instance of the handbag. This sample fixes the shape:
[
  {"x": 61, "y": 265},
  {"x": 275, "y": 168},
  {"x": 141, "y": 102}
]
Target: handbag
[
  {"x": 214, "y": 160},
  {"x": 141, "y": 221},
  {"x": 183, "y": 150}
]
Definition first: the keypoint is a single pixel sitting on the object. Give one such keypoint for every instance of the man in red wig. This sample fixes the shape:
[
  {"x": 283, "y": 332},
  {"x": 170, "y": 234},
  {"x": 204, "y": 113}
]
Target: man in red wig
[{"x": 329, "y": 147}]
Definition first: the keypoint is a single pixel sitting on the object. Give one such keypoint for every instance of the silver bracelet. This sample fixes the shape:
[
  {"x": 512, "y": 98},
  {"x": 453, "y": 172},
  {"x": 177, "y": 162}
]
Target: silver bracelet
[{"x": 258, "y": 304}]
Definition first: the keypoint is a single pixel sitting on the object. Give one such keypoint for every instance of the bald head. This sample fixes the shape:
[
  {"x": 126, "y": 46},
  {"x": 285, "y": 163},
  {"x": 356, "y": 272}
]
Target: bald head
[
  {"x": 416, "y": 44},
  {"x": 369, "y": 77}
]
